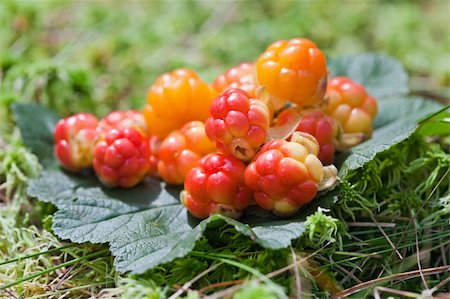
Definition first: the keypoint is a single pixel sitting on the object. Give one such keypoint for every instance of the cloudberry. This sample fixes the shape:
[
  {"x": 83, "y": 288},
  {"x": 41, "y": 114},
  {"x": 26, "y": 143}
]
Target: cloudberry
[
  {"x": 319, "y": 125},
  {"x": 181, "y": 150},
  {"x": 216, "y": 185},
  {"x": 175, "y": 99},
  {"x": 122, "y": 120},
  {"x": 285, "y": 174},
  {"x": 74, "y": 140},
  {"x": 351, "y": 106},
  {"x": 238, "y": 124},
  {"x": 121, "y": 157},
  {"x": 293, "y": 70},
  {"x": 240, "y": 76}
]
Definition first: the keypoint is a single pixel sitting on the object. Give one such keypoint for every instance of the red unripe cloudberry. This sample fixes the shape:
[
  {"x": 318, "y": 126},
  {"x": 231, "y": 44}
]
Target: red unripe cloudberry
[
  {"x": 122, "y": 120},
  {"x": 240, "y": 76},
  {"x": 216, "y": 185},
  {"x": 121, "y": 157},
  {"x": 319, "y": 125},
  {"x": 238, "y": 124},
  {"x": 74, "y": 140}
]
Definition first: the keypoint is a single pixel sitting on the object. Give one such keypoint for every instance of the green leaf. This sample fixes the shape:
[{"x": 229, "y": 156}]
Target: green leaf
[
  {"x": 36, "y": 124},
  {"x": 381, "y": 75},
  {"x": 146, "y": 225},
  {"x": 397, "y": 120},
  {"x": 436, "y": 125}
]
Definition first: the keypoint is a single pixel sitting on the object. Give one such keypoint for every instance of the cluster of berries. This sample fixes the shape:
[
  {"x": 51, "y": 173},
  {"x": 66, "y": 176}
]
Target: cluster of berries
[{"x": 217, "y": 141}]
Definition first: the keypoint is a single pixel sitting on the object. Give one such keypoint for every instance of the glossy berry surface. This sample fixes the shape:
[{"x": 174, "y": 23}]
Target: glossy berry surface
[
  {"x": 293, "y": 70},
  {"x": 175, "y": 99},
  {"x": 122, "y": 120},
  {"x": 74, "y": 140},
  {"x": 319, "y": 125},
  {"x": 216, "y": 185},
  {"x": 238, "y": 124},
  {"x": 121, "y": 157},
  {"x": 181, "y": 150},
  {"x": 351, "y": 106},
  {"x": 240, "y": 76},
  {"x": 285, "y": 175}
]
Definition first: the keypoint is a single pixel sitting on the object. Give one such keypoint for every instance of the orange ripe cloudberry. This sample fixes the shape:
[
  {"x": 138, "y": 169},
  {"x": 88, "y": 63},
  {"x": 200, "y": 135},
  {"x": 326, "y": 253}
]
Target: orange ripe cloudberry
[
  {"x": 216, "y": 185},
  {"x": 74, "y": 140},
  {"x": 175, "y": 99},
  {"x": 351, "y": 106},
  {"x": 181, "y": 150},
  {"x": 238, "y": 124},
  {"x": 293, "y": 70},
  {"x": 121, "y": 157}
]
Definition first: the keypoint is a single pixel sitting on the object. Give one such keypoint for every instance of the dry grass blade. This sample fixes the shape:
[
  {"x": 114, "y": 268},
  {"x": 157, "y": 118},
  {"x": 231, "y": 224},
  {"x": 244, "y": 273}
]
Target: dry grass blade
[
  {"x": 221, "y": 284},
  {"x": 231, "y": 290},
  {"x": 387, "y": 237},
  {"x": 59, "y": 280},
  {"x": 223, "y": 294},
  {"x": 377, "y": 290},
  {"x": 444, "y": 252},
  {"x": 298, "y": 282},
  {"x": 398, "y": 276},
  {"x": 440, "y": 285},
  {"x": 10, "y": 294},
  {"x": 419, "y": 264},
  {"x": 350, "y": 274}
]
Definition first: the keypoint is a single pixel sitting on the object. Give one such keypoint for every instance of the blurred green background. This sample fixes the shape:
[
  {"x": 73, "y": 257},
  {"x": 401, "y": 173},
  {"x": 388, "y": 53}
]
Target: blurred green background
[{"x": 99, "y": 55}]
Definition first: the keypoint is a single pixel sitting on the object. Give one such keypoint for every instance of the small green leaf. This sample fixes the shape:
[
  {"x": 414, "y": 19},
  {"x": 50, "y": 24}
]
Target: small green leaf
[
  {"x": 436, "y": 125},
  {"x": 381, "y": 75}
]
